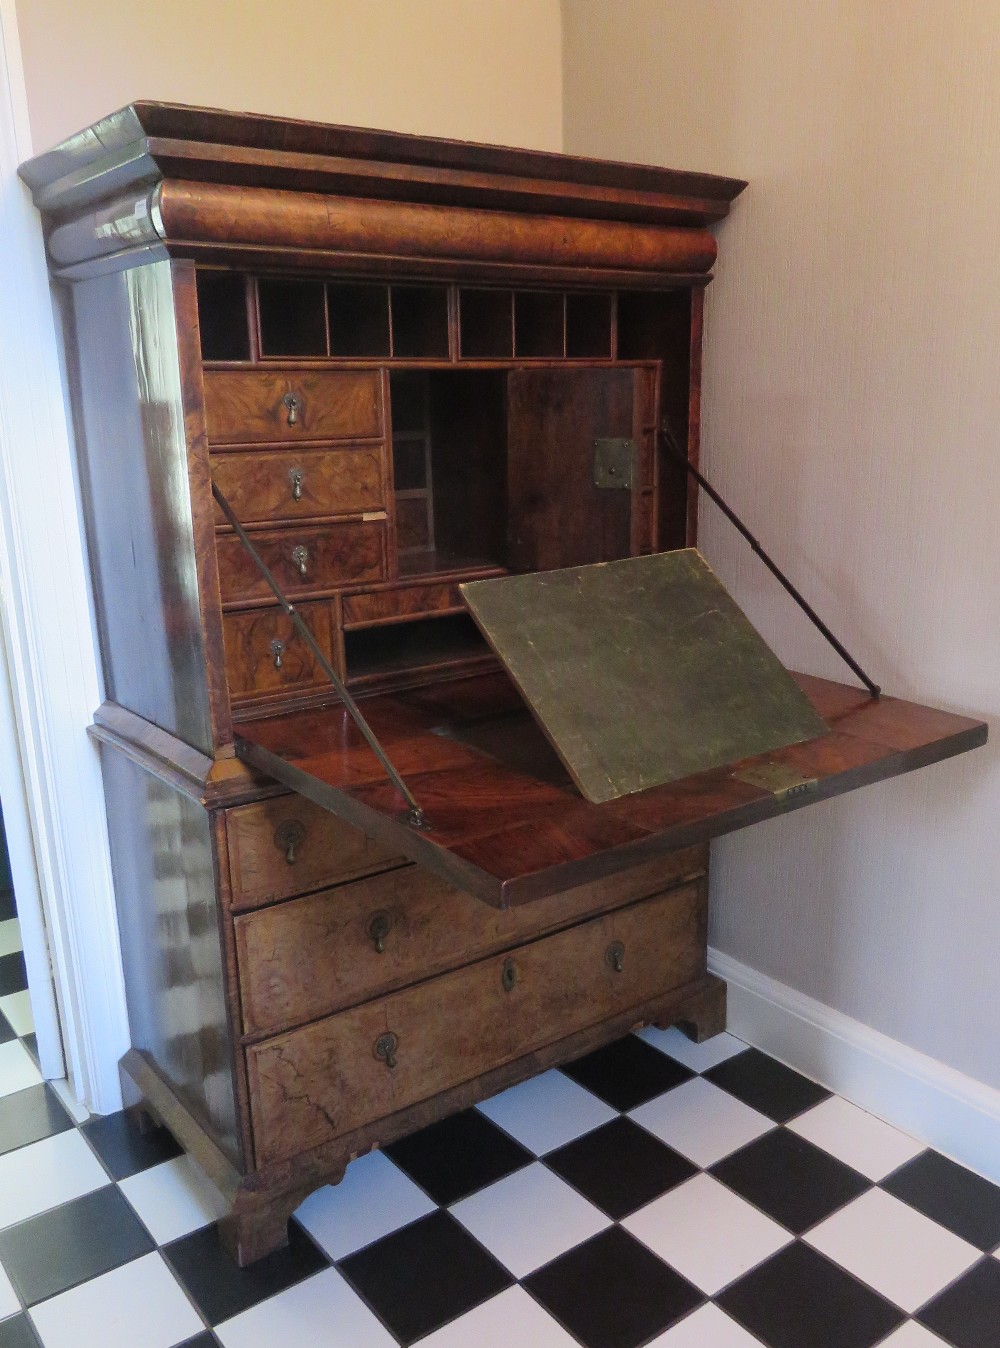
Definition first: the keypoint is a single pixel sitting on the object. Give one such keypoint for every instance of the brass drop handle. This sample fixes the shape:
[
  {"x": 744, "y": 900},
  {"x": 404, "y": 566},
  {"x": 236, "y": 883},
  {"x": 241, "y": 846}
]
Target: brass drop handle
[
  {"x": 296, "y": 477},
  {"x": 288, "y": 838},
  {"x": 277, "y": 650},
  {"x": 300, "y": 556},
  {"x": 615, "y": 956},
  {"x": 379, "y": 926},
  {"x": 385, "y": 1049},
  {"x": 508, "y": 975},
  {"x": 292, "y": 404}
]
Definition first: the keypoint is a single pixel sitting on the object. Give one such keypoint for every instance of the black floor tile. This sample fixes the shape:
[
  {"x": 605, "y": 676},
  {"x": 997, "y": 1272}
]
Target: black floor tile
[
  {"x": 30, "y": 1042},
  {"x": 620, "y": 1167},
  {"x": 17, "y": 1332},
  {"x": 798, "y": 1298},
  {"x": 123, "y": 1149},
  {"x": 459, "y": 1155},
  {"x": 951, "y": 1195},
  {"x": 612, "y": 1292},
  {"x": 424, "y": 1275},
  {"x": 967, "y": 1314},
  {"x": 791, "y": 1180},
  {"x": 29, "y": 1115},
  {"x": 766, "y": 1085},
  {"x": 13, "y": 974},
  {"x": 627, "y": 1073},
  {"x": 221, "y": 1289},
  {"x": 6, "y": 1030},
  {"x": 206, "y": 1340},
  {"x": 8, "y": 908},
  {"x": 65, "y": 1246}
]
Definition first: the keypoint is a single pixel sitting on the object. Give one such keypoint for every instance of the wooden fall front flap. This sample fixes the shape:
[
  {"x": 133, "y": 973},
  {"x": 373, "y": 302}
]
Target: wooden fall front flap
[{"x": 504, "y": 821}]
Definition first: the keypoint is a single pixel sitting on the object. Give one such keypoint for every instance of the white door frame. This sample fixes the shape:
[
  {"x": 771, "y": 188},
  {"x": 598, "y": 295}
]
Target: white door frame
[{"x": 53, "y": 777}]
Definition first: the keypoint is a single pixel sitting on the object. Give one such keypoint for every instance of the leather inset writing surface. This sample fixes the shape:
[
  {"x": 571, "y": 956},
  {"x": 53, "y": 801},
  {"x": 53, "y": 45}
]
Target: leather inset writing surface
[{"x": 641, "y": 671}]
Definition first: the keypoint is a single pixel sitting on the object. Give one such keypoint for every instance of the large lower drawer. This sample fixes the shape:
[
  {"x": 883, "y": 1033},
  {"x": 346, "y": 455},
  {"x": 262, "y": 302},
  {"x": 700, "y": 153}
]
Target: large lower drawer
[
  {"x": 317, "y": 1083},
  {"x": 302, "y": 960},
  {"x": 287, "y": 845}
]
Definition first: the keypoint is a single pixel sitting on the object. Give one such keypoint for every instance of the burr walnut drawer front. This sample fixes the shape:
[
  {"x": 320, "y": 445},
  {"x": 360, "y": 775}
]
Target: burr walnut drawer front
[
  {"x": 264, "y": 653},
  {"x": 303, "y": 559},
  {"x": 390, "y": 605},
  {"x": 299, "y": 961},
  {"x": 248, "y": 407},
  {"x": 287, "y": 846},
  {"x": 320, "y": 1082},
  {"x": 264, "y": 485}
]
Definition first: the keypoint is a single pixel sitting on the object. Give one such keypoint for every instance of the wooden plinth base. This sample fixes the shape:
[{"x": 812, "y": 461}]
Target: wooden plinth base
[{"x": 263, "y": 1200}]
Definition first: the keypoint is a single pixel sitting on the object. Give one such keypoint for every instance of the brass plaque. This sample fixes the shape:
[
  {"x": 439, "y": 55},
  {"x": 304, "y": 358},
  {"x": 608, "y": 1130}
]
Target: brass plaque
[{"x": 640, "y": 671}]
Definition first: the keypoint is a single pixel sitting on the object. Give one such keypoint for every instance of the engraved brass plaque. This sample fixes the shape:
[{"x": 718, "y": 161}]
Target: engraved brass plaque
[
  {"x": 782, "y": 782},
  {"x": 640, "y": 671}
]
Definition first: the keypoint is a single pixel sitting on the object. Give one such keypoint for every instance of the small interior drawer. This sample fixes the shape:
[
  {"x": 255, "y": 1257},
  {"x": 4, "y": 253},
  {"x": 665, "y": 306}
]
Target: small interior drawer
[
  {"x": 369, "y": 1062},
  {"x": 303, "y": 559},
  {"x": 288, "y": 845},
  {"x": 244, "y": 407},
  {"x": 391, "y": 929},
  {"x": 280, "y": 484},
  {"x": 389, "y": 605},
  {"x": 264, "y": 653}
]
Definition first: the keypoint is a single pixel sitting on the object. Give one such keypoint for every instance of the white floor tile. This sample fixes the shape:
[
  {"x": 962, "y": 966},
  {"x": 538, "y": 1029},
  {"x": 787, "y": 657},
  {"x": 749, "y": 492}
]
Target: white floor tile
[
  {"x": 510, "y": 1320},
  {"x": 893, "y": 1248},
  {"x": 17, "y": 1071},
  {"x": 911, "y": 1335},
  {"x": 529, "y": 1218},
  {"x": 9, "y": 1304},
  {"x": 699, "y": 1057},
  {"x": 707, "y": 1233},
  {"x": 547, "y": 1112},
  {"x": 38, "y": 1177},
  {"x": 708, "y": 1327},
  {"x": 857, "y": 1138},
  {"x": 372, "y": 1199},
  {"x": 73, "y": 1107},
  {"x": 701, "y": 1121},
  {"x": 16, "y": 1006},
  {"x": 10, "y": 936},
  {"x": 139, "y": 1305},
  {"x": 174, "y": 1198},
  {"x": 322, "y": 1312}
]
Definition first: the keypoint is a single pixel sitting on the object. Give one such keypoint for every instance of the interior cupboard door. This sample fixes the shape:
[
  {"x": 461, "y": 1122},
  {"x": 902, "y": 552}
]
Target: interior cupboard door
[{"x": 557, "y": 516}]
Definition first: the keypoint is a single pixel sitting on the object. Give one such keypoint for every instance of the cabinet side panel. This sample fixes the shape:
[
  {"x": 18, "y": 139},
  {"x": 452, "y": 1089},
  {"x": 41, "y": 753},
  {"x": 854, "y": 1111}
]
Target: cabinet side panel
[
  {"x": 161, "y": 850},
  {"x": 130, "y": 418}
]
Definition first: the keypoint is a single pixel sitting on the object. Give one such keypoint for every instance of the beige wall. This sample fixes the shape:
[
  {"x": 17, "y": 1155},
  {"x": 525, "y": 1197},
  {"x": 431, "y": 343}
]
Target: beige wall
[
  {"x": 471, "y": 69},
  {"x": 852, "y": 411}
]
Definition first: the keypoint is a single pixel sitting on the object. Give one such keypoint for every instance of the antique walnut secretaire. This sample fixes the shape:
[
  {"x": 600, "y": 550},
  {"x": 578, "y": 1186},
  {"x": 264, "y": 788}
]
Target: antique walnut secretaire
[{"x": 361, "y": 370}]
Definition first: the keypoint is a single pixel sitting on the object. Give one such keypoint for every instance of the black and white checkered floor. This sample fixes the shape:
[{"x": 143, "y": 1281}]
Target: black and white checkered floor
[{"x": 652, "y": 1193}]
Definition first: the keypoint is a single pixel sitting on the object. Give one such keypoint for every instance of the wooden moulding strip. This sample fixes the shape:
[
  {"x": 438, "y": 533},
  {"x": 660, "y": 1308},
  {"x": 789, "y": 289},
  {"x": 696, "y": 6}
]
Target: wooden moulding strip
[{"x": 265, "y": 217}]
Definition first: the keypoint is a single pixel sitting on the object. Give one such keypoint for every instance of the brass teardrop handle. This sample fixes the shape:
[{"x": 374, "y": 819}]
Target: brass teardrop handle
[
  {"x": 379, "y": 926},
  {"x": 288, "y": 838},
  {"x": 385, "y": 1049},
  {"x": 300, "y": 556},
  {"x": 277, "y": 650},
  {"x": 292, "y": 404},
  {"x": 615, "y": 956},
  {"x": 296, "y": 477},
  {"x": 508, "y": 975}
]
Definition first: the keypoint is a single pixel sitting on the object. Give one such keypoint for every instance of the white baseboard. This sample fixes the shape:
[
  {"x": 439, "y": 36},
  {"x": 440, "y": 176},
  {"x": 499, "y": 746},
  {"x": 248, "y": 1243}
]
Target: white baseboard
[{"x": 932, "y": 1102}]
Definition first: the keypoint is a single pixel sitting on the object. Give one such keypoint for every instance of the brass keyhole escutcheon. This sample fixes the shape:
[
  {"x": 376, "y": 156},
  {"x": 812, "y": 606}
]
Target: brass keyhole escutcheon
[
  {"x": 379, "y": 926},
  {"x": 292, "y": 404},
  {"x": 508, "y": 975},
  {"x": 615, "y": 956},
  {"x": 296, "y": 477},
  {"x": 385, "y": 1049},
  {"x": 288, "y": 838}
]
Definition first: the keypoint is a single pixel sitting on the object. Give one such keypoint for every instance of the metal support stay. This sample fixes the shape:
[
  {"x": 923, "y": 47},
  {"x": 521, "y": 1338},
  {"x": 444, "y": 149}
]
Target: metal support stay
[
  {"x": 416, "y": 815},
  {"x": 670, "y": 440}
]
